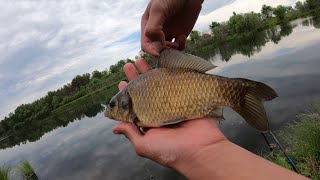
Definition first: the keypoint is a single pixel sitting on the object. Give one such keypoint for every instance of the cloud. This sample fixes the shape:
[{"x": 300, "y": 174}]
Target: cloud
[
  {"x": 209, "y": 6},
  {"x": 44, "y": 44},
  {"x": 238, "y": 6}
]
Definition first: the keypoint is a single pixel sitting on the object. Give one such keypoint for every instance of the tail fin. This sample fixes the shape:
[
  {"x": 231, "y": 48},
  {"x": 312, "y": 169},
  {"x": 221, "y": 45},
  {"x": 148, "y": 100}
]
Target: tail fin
[{"x": 251, "y": 107}]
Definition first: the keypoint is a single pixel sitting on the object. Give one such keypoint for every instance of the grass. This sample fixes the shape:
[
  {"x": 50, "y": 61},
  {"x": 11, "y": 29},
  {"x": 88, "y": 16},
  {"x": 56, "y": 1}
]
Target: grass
[
  {"x": 4, "y": 172},
  {"x": 303, "y": 139},
  {"x": 26, "y": 170}
]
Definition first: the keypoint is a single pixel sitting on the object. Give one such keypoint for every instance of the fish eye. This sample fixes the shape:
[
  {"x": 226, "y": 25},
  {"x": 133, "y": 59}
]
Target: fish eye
[
  {"x": 125, "y": 104},
  {"x": 112, "y": 104}
]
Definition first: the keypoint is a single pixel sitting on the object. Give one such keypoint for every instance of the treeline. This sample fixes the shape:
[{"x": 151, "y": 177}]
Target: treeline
[
  {"x": 80, "y": 86},
  {"x": 243, "y": 25},
  {"x": 34, "y": 129},
  {"x": 79, "y": 98}
]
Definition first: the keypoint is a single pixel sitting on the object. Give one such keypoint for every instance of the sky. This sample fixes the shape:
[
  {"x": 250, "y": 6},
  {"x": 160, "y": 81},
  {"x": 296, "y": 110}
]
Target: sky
[{"x": 45, "y": 44}]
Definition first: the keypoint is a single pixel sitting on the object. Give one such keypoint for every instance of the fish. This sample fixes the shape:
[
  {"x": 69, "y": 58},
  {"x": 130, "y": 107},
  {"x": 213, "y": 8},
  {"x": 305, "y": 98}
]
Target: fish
[{"x": 180, "y": 89}]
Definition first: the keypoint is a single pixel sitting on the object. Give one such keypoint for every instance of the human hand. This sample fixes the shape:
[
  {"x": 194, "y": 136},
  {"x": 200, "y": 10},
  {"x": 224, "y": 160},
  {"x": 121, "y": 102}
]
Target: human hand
[
  {"x": 164, "y": 20},
  {"x": 170, "y": 145}
]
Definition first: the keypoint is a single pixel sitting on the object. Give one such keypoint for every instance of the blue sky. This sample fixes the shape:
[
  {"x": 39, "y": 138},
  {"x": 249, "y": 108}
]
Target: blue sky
[{"x": 44, "y": 44}]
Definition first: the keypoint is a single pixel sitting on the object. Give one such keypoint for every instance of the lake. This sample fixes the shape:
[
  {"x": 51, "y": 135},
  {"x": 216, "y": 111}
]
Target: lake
[{"x": 287, "y": 58}]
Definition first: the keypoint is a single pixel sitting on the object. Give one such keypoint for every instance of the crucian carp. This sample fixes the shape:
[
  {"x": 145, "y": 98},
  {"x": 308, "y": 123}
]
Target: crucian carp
[{"x": 180, "y": 89}]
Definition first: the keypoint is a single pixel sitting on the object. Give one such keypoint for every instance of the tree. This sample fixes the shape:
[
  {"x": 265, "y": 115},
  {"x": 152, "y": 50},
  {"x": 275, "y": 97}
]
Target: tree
[
  {"x": 79, "y": 81},
  {"x": 213, "y": 25},
  {"x": 117, "y": 67},
  {"x": 195, "y": 36},
  {"x": 96, "y": 74},
  {"x": 245, "y": 23},
  {"x": 299, "y": 6},
  {"x": 312, "y": 4},
  {"x": 266, "y": 12},
  {"x": 280, "y": 12}
]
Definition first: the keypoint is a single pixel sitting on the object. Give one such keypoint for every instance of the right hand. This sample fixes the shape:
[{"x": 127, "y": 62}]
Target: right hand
[
  {"x": 164, "y": 20},
  {"x": 173, "y": 145}
]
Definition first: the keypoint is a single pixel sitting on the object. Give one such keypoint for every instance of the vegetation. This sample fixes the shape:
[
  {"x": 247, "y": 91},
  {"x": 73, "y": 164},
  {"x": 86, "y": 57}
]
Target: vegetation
[
  {"x": 26, "y": 170},
  {"x": 239, "y": 26},
  {"x": 302, "y": 137},
  {"x": 243, "y": 33},
  {"x": 4, "y": 173}
]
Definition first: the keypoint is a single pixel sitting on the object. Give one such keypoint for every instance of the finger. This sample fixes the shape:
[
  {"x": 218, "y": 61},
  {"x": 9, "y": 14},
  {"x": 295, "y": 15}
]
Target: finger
[
  {"x": 130, "y": 71},
  {"x": 154, "y": 25},
  {"x": 146, "y": 44},
  {"x": 130, "y": 131},
  {"x": 173, "y": 45},
  {"x": 122, "y": 84},
  {"x": 181, "y": 40},
  {"x": 149, "y": 48},
  {"x": 142, "y": 65}
]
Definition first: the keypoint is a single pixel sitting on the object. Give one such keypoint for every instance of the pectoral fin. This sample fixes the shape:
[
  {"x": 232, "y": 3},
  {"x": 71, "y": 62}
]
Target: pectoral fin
[
  {"x": 175, "y": 59},
  {"x": 217, "y": 114},
  {"x": 134, "y": 120}
]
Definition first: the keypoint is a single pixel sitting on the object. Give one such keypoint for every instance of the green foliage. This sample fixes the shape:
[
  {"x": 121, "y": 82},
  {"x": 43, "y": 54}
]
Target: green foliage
[
  {"x": 279, "y": 159},
  {"x": 214, "y": 25},
  {"x": 300, "y": 6},
  {"x": 96, "y": 74},
  {"x": 312, "y": 4},
  {"x": 266, "y": 12},
  {"x": 280, "y": 12},
  {"x": 195, "y": 36},
  {"x": 240, "y": 26},
  {"x": 26, "y": 170},
  {"x": 118, "y": 67},
  {"x": 80, "y": 80},
  {"x": 302, "y": 137},
  {"x": 5, "y": 172},
  {"x": 244, "y": 23}
]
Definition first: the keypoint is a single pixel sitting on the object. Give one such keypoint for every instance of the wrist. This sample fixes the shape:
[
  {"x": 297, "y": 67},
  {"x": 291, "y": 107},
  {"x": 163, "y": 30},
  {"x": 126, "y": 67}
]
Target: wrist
[{"x": 207, "y": 159}]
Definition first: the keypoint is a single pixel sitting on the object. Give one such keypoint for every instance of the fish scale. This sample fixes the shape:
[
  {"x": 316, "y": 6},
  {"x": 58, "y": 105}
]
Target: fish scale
[{"x": 193, "y": 95}]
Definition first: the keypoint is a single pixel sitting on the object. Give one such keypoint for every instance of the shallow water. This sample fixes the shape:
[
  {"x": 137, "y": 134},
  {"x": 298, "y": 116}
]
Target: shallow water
[{"x": 87, "y": 149}]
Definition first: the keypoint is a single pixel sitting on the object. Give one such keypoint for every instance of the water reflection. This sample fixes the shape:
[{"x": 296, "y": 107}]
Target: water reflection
[
  {"x": 88, "y": 107},
  {"x": 248, "y": 44},
  {"x": 62, "y": 147},
  {"x": 314, "y": 21}
]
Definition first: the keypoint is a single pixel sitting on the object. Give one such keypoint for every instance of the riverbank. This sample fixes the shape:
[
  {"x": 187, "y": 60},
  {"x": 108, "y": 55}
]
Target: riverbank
[{"x": 302, "y": 139}]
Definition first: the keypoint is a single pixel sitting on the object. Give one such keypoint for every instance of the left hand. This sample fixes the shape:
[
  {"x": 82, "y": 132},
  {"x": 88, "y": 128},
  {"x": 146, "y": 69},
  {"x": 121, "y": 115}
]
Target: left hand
[{"x": 170, "y": 146}]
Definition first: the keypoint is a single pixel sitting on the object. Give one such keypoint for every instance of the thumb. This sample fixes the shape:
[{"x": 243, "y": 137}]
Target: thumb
[{"x": 129, "y": 130}]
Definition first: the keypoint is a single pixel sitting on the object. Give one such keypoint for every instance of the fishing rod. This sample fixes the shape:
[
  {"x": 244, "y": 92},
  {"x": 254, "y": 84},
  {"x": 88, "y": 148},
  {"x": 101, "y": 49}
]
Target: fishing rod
[
  {"x": 269, "y": 144},
  {"x": 291, "y": 162}
]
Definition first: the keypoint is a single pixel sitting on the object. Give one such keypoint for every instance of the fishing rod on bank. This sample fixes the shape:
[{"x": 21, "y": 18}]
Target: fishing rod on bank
[{"x": 290, "y": 160}]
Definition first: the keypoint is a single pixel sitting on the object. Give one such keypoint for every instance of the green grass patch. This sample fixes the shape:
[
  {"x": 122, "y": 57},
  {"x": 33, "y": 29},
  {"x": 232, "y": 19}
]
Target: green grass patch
[
  {"x": 5, "y": 172},
  {"x": 26, "y": 170},
  {"x": 302, "y": 138}
]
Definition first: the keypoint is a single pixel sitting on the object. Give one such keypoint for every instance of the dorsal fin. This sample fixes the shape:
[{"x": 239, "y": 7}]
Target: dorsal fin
[{"x": 170, "y": 58}]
